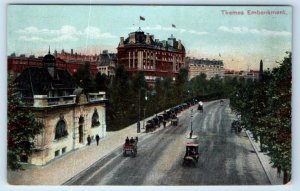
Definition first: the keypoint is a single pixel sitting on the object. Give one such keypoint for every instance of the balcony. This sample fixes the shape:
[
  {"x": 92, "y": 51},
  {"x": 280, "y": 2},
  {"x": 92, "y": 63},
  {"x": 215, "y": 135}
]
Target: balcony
[
  {"x": 93, "y": 97},
  {"x": 45, "y": 101}
]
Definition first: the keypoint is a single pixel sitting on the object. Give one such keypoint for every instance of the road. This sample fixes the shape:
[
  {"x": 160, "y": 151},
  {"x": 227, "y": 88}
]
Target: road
[{"x": 226, "y": 158}]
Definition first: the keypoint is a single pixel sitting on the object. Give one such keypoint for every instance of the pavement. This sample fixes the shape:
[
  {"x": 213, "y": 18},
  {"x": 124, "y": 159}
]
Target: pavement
[
  {"x": 72, "y": 163},
  {"x": 275, "y": 179}
]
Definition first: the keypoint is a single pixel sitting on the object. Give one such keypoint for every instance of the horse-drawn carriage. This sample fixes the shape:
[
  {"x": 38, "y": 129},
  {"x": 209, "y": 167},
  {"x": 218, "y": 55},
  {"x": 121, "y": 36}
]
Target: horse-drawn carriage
[
  {"x": 174, "y": 120},
  {"x": 130, "y": 147},
  {"x": 191, "y": 156},
  {"x": 236, "y": 126},
  {"x": 200, "y": 106},
  {"x": 221, "y": 102}
]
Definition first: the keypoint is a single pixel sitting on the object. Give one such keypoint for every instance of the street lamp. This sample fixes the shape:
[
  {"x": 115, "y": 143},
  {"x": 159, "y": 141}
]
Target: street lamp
[
  {"x": 145, "y": 111},
  {"x": 191, "y": 133},
  {"x": 138, "y": 130}
]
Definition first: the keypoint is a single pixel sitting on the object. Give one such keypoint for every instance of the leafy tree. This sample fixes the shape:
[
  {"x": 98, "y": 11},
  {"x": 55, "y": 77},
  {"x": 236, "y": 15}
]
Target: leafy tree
[
  {"x": 265, "y": 109},
  {"x": 84, "y": 78},
  {"x": 119, "y": 99},
  {"x": 181, "y": 85},
  {"x": 101, "y": 82},
  {"x": 22, "y": 127}
]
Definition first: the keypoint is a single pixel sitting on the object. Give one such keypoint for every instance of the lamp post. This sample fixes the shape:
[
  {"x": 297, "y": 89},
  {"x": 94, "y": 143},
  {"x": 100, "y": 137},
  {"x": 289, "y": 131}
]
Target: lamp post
[
  {"x": 138, "y": 130},
  {"x": 145, "y": 111},
  {"x": 191, "y": 133}
]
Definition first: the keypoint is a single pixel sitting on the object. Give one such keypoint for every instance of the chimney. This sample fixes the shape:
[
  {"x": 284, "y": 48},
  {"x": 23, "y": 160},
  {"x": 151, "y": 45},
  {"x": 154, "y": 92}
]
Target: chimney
[
  {"x": 71, "y": 52},
  {"x": 148, "y": 41},
  {"x": 179, "y": 45},
  {"x": 261, "y": 70},
  {"x": 132, "y": 38},
  {"x": 164, "y": 43},
  {"x": 121, "y": 44}
]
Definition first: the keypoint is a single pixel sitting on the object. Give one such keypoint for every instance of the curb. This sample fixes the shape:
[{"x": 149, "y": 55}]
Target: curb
[{"x": 259, "y": 157}]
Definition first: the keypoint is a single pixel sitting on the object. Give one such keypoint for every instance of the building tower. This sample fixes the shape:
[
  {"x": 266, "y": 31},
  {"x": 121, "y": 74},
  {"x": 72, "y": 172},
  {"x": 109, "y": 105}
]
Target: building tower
[{"x": 261, "y": 67}]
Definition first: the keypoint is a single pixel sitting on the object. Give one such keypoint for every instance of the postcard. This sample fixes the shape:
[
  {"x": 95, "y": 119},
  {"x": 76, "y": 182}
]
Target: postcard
[{"x": 149, "y": 95}]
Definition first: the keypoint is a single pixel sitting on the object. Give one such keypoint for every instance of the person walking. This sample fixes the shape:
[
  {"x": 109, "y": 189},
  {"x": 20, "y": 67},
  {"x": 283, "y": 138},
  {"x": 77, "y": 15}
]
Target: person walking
[
  {"x": 278, "y": 171},
  {"x": 97, "y": 139},
  {"x": 88, "y": 140}
]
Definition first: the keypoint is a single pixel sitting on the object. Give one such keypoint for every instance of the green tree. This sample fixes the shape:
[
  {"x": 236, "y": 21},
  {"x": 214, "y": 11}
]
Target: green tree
[
  {"x": 22, "y": 127},
  {"x": 101, "y": 82},
  {"x": 265, "y": 109},
  {"x": 84, "y": 78},
  {"x": 120, "y": 102},
  {"x": 181, "y": 85}
]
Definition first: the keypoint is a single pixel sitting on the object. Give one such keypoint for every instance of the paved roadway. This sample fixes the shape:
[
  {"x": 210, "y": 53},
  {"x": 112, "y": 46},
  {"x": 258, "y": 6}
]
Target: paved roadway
[{"x": 226, "y": 158}]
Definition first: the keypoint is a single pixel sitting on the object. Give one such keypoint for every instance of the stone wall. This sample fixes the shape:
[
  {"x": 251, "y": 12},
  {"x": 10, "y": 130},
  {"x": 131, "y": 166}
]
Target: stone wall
[{"x": 51, "y": 148}]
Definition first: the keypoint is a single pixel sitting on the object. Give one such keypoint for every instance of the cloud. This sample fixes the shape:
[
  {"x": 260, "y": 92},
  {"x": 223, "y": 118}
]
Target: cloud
[
  {"x": 65, "y": 33},
  {"x": 245, "y": 30},
  {"x": 180, "y": 30}
]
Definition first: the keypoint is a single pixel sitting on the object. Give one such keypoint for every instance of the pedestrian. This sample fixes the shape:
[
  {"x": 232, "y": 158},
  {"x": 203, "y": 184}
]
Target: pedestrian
[
  {"x": 97, "y": 139},
  {"x": 88, "y": 140},
  {"x": 278, "y": 171},
  {"x": 164, "y": 122}
]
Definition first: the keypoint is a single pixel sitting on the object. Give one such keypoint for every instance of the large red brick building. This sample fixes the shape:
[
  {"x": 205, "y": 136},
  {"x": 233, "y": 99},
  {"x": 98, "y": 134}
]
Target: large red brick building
[
  {"x": 64, "y": 61},
  {"x": 157, "y": 59}
]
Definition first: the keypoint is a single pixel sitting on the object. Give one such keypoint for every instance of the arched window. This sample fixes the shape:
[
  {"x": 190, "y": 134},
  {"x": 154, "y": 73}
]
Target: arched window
[
  {"x": 60, "y": 129},
  {"x": 95, "y": 119}
]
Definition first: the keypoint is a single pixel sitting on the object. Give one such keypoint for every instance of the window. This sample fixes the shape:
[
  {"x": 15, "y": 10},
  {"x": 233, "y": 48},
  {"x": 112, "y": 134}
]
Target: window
[
  {"x": 95, "y": 119},
  {"x": 56, "y": 153},
  {"x": 63, "y": 150},
  {"x": 24, "y": 158},
  {"x": 61, "y": 129}
]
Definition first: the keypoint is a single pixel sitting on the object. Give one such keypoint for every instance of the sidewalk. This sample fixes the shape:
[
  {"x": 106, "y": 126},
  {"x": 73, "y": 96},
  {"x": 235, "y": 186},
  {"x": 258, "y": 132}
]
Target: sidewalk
[
  {"x": 62, "y": 169},
  {"x": 265, "y": 161}
]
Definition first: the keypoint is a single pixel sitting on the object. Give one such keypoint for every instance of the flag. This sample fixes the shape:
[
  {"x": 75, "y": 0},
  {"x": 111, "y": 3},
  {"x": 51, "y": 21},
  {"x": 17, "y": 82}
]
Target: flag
[
  {"x": 142, "y": 18},
  {"x": 174, "y": 26}
]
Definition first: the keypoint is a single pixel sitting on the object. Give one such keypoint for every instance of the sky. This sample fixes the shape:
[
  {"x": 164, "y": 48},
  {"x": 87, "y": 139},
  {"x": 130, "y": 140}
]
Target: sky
[{"x": 213, "y": 32}]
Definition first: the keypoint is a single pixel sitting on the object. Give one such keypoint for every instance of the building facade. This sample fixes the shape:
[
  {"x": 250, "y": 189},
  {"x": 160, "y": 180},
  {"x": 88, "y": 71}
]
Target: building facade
[
  {"x": 107, "y": 63},
  {"x": 69, "y": 115},
  {"x": 157, "y": 59},
  {"x": 210, "y": 68},
  {"x": 249, "y": 74},
  {"x": 64, "y": 61}
]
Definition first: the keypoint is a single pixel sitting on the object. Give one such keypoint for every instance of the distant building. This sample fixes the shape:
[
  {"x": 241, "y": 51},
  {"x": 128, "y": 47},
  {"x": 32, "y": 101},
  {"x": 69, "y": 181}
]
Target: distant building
[
  {"x": 64, "y": 61},
  {"x": 210, "y": 68},
  {"x": 157, "y": 59},
  {"x": 250, "y": 74},
  {"x": 75, "y": 57},
  {"x": 68, "y": 114},
  {"x": 75, "y": 60},
  {"x": 108, "y": 63}
]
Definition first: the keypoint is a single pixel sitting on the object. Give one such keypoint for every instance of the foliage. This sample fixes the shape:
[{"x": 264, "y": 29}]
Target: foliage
[
  {"x": 265, "y": 109},
  {"x": 22, "y": 127},
  {"x": 84, "y": 78}
]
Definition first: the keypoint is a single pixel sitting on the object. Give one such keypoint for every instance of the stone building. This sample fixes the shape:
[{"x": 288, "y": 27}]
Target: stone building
[
  {"x": 68, "y": 113},
  {"x": 107, "y": 63},
  {"x": 211, "y": 68},
  {"x": 157, "y": 59}
]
